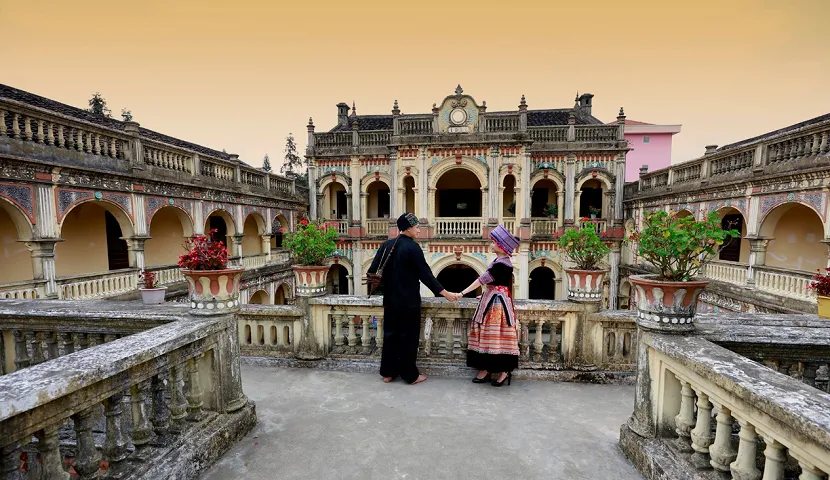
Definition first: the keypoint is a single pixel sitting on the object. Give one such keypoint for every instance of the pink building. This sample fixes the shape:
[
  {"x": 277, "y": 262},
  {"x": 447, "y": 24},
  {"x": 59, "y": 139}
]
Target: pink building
[{"x": 650, "y": 145}]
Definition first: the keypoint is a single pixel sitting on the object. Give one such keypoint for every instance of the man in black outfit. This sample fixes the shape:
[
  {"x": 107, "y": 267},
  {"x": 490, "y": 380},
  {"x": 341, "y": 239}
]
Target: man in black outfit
[{"x": 404, "y": 268}]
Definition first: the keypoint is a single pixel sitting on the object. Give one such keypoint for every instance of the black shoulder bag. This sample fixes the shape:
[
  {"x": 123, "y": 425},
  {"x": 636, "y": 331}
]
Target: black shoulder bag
[{"x": 374, "y": 280}]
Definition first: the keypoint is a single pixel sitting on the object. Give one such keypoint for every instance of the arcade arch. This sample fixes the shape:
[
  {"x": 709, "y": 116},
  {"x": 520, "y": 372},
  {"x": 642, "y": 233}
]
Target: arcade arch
[
  {"x": 93, "y": 234},
  {"x": 252, "y": 231},
  {"x": 222, "y": 222},
  {"x": 260, "y": 297},
  {"x": 458, "y": 193},
  {"x": 15, "y": 229},
  {"x": 169, "y": 228},
  {"x": 734, "y": 249},
  {"x": 280, "y": 227},
  {"x": 796, "y": 233}
]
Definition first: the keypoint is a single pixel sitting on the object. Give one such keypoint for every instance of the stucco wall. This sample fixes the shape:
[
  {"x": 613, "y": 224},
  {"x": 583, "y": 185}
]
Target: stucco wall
[
  {"x": 84, "y": 246},
  {"x": 167, "y": 241},
  {"x": 251, "y": 241},
  {"x": 656, "y": 154},
  {"x": 797, "y": 241},
  {"x": 14, "y": 256}
]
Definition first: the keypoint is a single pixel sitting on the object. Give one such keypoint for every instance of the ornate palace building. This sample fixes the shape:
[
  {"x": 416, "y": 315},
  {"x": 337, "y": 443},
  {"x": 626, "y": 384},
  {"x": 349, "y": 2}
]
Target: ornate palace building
[
  {"x": 774, "y": 189},
  {"x": 462, "y": 170},
  {"x": 86, "y": 202}
]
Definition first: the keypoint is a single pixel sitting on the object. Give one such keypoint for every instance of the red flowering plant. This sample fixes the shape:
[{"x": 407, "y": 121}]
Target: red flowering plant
[
  {"x": 821, "y": 283},
  {"x": 310, "y": 243},
  {"x": 204, "y": 253},
  {"x": 149, "y": 279}
]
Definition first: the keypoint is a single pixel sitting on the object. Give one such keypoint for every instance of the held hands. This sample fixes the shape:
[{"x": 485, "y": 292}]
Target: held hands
[{"x": 451, "y": 296}]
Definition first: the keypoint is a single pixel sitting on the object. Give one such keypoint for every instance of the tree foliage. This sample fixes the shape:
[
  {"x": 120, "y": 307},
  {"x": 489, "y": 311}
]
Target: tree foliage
[
  {"x": 98, "y": 105},
  {"x": 310, "y": 244},
  {"x": 266, "y": 163},
  {"x": 293, "y": 162},
  {"x": 126, "y": 115}
]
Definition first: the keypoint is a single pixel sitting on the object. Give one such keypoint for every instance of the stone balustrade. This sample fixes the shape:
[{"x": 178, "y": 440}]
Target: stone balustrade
[
  {"x": 784, "y": 281},
  {"x": 416, "y": 125},
  {"x": 501, "y": 123},
  {"x": 776, "y": 152},
  {"x": 459, "y": 227},
  {"x": 377, "y": 227},
  {"x": 97, "y": 285},
  {"x": 510, "y": 224},
  {"x": 25, "y": 290},
  {"x": 269, "y": 330},
  {"x": 167, "y": 274},
  {"x": 169, "y": 397},
  {"x": 166, "y": 158},
  {"x": 596, "y": 133},
  {"x": 543, "y": 226},
  {"x": 548, "y": 134},
  {"x": 254, "y": 261},
  {"x": 731, "y": 272}
]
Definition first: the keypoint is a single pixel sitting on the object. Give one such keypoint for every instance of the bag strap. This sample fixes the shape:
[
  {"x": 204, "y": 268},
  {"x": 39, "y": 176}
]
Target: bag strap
[{"x": 386, "y": 255}]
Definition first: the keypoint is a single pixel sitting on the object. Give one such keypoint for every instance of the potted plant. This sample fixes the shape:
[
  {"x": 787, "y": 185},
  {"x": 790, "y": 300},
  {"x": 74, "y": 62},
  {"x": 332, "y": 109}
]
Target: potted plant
[
  {"x": 551, "y": 210},
  {"x": 512, "y": 209},
  {"x": 212, "y": 286},
  {"x": 678, "y": 247},
  {"x": 594, "y": 211},
  {"x": 151, "y": 294},
  {"x": 583, "y": 247},
  {"x": 821, "y": 285},
  {"x": 310, "y": 244}
]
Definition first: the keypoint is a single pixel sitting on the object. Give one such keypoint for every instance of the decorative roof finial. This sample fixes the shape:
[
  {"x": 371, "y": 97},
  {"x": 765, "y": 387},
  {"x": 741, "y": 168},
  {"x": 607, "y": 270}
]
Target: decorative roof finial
[
  {"x": 622, "y": 112},
  {"x": 396, "y": 104},
  {"x": 395, "y": 109},
  {"x": 459, "y": 90},
  {"x": 310, "y": 121},
  {"x": 354, "y": 109},
  {"x": 523, "y": 102}
]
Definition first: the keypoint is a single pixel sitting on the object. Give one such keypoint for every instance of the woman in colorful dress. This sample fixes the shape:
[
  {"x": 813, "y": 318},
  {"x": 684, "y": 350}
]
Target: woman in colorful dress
[{"x": 493, "y": 347}]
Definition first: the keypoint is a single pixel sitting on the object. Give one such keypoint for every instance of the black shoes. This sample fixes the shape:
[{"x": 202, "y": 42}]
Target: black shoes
[
  {"x": 506, "y": 379},
  {"x": 486, "y": 379}
]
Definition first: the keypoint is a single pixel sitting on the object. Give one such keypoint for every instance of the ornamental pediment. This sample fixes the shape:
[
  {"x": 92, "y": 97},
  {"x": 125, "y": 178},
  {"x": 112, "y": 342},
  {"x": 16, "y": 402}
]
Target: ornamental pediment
[{"x": 458, "y": 113}]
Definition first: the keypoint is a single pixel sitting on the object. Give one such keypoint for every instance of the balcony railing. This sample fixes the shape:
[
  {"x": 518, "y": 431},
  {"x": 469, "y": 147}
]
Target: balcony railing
[
  {"x": 459, "y": 227},
  {"x": 510, "y": 224},
  {"x": 167, "y": 274},
  {"x": 97, "y": 285},
  {"x": 735, "y": 273},
  {"x": 342, "y": 226},
  {"x": 26, "y": 290},
  {"x": 600, "y": 225},
  {"x": 254, "y": 261},
  {"x": 377, "y": 227},
  {"x": 785, "y": 282},
  {"x": 543, "y": 226}
]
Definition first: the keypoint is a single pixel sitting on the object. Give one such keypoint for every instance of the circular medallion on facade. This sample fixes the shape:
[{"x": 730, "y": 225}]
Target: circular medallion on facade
[
  {"x": 171, "y": 201},
  {"x": 98, "y": 196},
  {"x": 458, "y": 116}
]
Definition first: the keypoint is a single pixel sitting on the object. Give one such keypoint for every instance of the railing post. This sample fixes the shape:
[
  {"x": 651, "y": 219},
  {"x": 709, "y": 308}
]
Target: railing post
[
  {"x": 523, "y": 115},
  {"x": 135, "y": 151}
]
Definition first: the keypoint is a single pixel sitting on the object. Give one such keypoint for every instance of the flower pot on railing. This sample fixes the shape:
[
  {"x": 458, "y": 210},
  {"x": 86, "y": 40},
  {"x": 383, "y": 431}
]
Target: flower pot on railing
[
  {"x": 153, "y": 296},
  {"x": 664, "y": 305},
  {"x": 213, "y": 291},
  {"x": 585, "y": 286},
  {"x": 310, "y": 280}
]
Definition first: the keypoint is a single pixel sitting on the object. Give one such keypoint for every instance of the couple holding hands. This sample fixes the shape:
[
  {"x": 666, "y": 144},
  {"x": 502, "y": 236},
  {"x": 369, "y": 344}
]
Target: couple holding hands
[{"x": 493, "y": 346}]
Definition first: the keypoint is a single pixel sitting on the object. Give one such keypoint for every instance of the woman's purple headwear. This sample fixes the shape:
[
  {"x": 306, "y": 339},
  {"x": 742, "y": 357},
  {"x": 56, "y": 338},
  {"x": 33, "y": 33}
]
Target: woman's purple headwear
[{"x": 504, "y": 239}]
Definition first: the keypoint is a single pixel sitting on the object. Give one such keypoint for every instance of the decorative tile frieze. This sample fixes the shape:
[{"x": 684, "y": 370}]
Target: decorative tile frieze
[
  {"x": 817, "y": 200},
  {"x": 154, "y": 204}
]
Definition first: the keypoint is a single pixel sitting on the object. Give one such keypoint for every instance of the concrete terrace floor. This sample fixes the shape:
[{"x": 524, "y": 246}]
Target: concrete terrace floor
[{"x": 316, "y": 424}]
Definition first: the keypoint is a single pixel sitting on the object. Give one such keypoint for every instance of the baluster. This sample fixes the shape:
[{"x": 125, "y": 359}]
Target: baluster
[
  {"x": 79, "y": 143},
  {"x": 34, "y": 339},
  {"x": 61, "y": 139},
  {"x": 40, "y": 135},
  {"x": 442, "y": 340},
  {"x": 743, "y": 468},
  {"x": 685, "y": 420},
  {"x": 113, "y": 150},
  {"x": 141, "y": 404},
  {"x": 21, "y": 353},
  {"x": 116, "y": 443},
  {"x": 366, "y": 337},
  {"x": 457, "y": 329},
  {"x": 723, "y": 452},
  {"x": 27, "y": 128},
  {"x": 10, "y": 462},
  {"x": 776, "y": 456},
  {"x": 161, "y": 412},
  {"x": 16, "y": 126},
  {"x": 792, "y": 150},
  {"x": 825, "y": 143},
  {"x": 194, "y": 390},
  {"x": 702, "y": 433},
  {"x": 178, "y": 402},
  {"x": 97, "y": 144},
  {"x": 87, "y": 459},
  {"x": 52, "y": 345},
  {"x": 427, "y": 341},
  {"x": 50, "y": 133},
  {"x": 524, "y": 345},
  {"x": 538, "y": 344},
  {"x": 3, "y": 130},
  {"x": 51, "y": 459},
  {"x": 553, "y": 348},
  {"x": 379, "y": 335},
  {"x": 352, "y": 335},
  {"x": 815, "y": 144},
  {"x": 809, "y": 471}
]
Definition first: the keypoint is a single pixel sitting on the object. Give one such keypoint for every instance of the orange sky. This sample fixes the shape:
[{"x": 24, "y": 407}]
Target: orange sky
[{"x": 241, "y": 75}]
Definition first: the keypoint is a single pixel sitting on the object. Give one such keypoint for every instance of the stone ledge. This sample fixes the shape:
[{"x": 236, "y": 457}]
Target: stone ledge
[
  {"x": 437, "y": 369},
  {"x": 656, "y": 461}
]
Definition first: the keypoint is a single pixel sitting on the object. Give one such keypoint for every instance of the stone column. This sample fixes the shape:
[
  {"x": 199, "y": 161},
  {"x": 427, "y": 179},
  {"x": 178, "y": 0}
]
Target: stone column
[
  {"x": 135, "y": 248},
  {"x": 47, "y": 222},
  {"x": 141, "y": 227},
  {"x": 619, "y": 180},
  {"x": 423, "y": 190},
  {"x": 570, "y": 185},
  {"x": 523, "y": 189},
  {"x": 614, "y": 277},
  {"x": 757, "y": 258},
  {"x": 393, "y": 188},
  {"x": 312, "y": 191},
  {"x": 826, "y": 241},
  {"x": 198, "y": 218},
  {"x": 356, "y": 190},
  {"x": 524, "y": 274},
  {"x": 357, "y": 269},
  {"x": 493, "y": 184},
  {"x": 43, "y": 264},
  {"x": 266, "y": 246},
  {"x": 577, "y": 205},
  {"x": 226, "y": 368},
  {"x": 237, "y": 245},
  {"x": 560, "y": 209}
]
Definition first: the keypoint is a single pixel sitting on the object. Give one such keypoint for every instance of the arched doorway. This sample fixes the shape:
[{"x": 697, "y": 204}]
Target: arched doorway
[
  {"x": 14, "y": 256},
  {"x": 458, "y": 194},
  {"x": 279, "y": 226},
  {"x": 222, "y": 222},
  {"x": 542, "y": 284},
  {"x": 734, "y": 249},
  {"x": 281, "y": 295},
  {"x": 591, "y": 198},
  {"x": 625, "y": 295},
  {"x": 93, "y": 235},
  {"x": 260, "y": 297},
  {"x": 337, "y": 281},
  {"x": 169, "y": 228},
  {"x": 409, "y": 194},
  {"x": 457, "y": 277},
  {"x": 252, "y": 232},
  {"x": 544, "y": 199},
  {"x": 796, "y": 232},
  {"x": 335, "y": 204},
  {"x": 378, "y": 200},
  {"x": 508, "y": 197}
]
